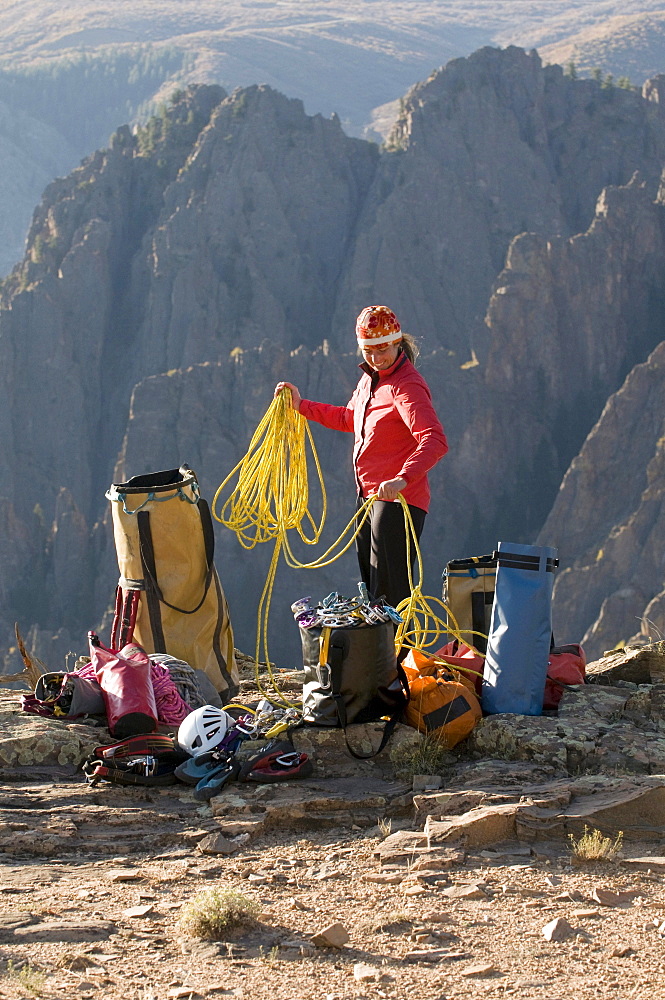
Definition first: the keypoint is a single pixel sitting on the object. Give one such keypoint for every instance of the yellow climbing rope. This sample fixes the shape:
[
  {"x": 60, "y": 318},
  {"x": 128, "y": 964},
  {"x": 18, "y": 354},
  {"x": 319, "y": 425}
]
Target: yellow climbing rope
[
  {"x": 271, "y": 497},
  {"x": 421, "y": 627}
]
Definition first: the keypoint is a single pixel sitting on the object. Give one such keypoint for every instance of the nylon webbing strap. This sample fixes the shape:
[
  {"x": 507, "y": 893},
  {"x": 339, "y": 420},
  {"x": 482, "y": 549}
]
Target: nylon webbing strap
[
  {"x": 149, "y": 560},
  {"x": 208, "y": 530},
  {"x": 136, "y": 746},
  {"x": 222, "y": 613},
  {"x": 446, "y": 713},
  {"x": 480, "y": 600},
  {"x": 96, "y": 771},
  {"x": 150, "y": 573},
  {"x": 517, "y": 561},
  {"x": 335, "y": 661},
  {"x": 116, "y": 617},
  {"x": 470, "y": 566}
]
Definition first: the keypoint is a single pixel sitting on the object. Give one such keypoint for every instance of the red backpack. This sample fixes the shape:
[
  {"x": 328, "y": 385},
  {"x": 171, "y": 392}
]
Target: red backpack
[
  {"x": 469, "y": 663},
  {"x": 567, "y": 665}
]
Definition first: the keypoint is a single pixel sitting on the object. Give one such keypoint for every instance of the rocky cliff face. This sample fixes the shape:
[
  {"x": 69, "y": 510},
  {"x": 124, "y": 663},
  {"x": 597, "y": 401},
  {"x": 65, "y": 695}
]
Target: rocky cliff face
[
  {"x": 609, "y": 516},
  {"x": 31, "y": 154},
  {"x": 65, "y": 321},
  {"x": 501, "y": 146},
  {"x": 567, "y": 318},
  {"x": 196, "y": 256}
]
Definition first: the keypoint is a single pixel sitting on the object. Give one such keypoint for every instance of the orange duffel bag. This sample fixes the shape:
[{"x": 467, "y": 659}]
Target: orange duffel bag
[{"x": 441, "y": 703}]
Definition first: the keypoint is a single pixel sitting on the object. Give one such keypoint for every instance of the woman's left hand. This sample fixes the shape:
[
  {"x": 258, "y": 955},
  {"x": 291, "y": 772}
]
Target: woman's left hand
[
  {"x": 389, "y": 489},
  {"x": 295, "y": 394}
]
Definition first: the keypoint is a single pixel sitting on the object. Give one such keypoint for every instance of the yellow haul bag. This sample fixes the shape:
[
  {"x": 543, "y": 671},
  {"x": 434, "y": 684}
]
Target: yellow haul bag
[
  {"x": 468, "y": 593},
  {"x": 165, "y": 546}
]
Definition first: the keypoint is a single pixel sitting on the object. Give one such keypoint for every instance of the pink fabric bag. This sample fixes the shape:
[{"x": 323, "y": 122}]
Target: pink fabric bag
[{"x": 126, "y": 683}]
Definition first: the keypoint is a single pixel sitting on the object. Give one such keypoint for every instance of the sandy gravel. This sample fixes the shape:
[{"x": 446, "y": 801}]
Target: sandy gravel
[{"x": 415, "y": 939}]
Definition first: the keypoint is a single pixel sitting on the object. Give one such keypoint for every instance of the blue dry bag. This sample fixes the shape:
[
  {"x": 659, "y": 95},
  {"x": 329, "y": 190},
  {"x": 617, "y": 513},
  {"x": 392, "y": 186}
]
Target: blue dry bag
[{"x": 521, "y": 630}]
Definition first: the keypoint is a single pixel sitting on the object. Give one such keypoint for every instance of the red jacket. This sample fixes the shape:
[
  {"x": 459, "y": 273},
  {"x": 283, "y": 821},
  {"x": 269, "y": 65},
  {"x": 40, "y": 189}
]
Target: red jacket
[{"x": 397, "y": 431}]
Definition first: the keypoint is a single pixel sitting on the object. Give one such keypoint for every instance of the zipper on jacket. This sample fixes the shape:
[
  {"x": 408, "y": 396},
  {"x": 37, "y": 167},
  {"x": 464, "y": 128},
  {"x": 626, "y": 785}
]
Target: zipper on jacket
[{"x": 375, "y": 378}]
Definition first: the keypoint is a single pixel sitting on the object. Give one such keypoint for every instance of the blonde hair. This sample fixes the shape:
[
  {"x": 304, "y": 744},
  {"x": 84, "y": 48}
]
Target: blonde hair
[{"x": 409, "y": 346}]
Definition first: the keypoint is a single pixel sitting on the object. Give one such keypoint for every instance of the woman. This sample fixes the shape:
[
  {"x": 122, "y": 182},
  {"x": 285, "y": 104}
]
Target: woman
[{"x": 398, "y": 438}]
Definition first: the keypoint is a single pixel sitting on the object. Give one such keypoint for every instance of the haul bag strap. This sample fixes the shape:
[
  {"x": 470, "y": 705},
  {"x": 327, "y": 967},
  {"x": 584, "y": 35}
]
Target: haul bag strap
[
  {"x": 208, "y": 534},
  {"x": 152, "y": 592},
  {"x": 519, "y": 561},
  {"x": 335, "y": 660},
  {"x": 148, "y": 557},
  {"x": 471, "y": 565},
  {"x": 479, "y": 601}
]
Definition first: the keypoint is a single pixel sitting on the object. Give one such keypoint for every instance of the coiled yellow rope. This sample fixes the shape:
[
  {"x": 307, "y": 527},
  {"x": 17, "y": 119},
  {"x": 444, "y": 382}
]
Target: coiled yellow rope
[{"x": 271, "y": 497}]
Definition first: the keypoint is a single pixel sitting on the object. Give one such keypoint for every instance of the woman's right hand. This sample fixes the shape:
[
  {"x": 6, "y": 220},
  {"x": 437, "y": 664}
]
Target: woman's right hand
[{"x": 295, "y": 395}]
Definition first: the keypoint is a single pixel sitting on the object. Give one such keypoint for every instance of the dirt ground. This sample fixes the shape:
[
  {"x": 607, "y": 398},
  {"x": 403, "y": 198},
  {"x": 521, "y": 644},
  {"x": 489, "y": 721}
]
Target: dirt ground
[
  {"x": 407, "y": 937},
  {"x": 93, "y": 883}
]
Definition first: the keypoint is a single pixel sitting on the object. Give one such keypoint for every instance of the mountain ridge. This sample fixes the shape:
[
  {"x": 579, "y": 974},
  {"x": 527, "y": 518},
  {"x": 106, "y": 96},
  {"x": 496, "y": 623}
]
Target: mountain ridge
[
  {"x": 238, "y": 227},
  {"x": 85, "y": 68}
]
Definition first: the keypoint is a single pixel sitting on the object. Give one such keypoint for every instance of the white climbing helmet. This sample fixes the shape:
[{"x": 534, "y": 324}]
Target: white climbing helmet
[{"x": 203, "y": 729}]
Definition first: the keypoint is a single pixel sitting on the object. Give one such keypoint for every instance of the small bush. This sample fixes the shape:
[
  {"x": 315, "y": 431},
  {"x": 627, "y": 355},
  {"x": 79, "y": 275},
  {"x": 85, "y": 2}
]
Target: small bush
[
  {"x": 271, "y": 958},
  {"x": 31, "y": 979},
  {"x": 213, "y": 913},
  {"x": 385, "y": 825},
  {"x": 593, "y": 846},
  {"x": 430, "y": 756}
]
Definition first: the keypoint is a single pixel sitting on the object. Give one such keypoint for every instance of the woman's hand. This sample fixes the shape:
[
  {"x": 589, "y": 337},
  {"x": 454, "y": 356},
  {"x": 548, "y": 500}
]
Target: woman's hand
[
  {"x": 295, "y": 395},
  {"x": 389, "y": 489}
]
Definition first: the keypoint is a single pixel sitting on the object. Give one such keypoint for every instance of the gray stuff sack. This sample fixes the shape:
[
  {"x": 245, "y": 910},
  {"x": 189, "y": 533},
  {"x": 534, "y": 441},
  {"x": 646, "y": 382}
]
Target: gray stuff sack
[{"x": 84, "y": 692}]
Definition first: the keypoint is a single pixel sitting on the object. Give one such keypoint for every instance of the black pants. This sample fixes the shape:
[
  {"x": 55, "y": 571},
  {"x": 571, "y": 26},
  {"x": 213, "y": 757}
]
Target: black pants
[{"x": 381, "y": 548}]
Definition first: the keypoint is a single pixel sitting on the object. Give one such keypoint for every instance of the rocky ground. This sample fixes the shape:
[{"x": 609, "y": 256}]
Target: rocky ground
[{"x": 465, "y": 888}]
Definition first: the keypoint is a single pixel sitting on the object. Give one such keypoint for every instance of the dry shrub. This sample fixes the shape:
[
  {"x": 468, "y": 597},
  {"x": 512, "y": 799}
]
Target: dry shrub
[
  {"x": 385, "y": 825},
  {"x": 75, "y": 960},
  {"x": 215, "y": 912},
  {"x": 593, "y": 846},
  {"x": 393, "y": 922},
  {"x": 30, "y": 978},
  {"x": 430, "y": 756}
]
